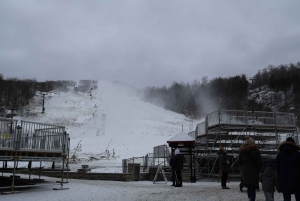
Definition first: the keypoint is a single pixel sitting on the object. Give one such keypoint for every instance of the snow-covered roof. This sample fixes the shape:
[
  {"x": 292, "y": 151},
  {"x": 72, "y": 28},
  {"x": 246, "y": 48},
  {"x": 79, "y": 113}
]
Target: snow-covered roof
[{"x": 181, "y": 137}]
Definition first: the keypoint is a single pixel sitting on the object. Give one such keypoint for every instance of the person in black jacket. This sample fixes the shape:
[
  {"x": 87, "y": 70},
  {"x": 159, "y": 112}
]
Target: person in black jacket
[
  {"x": 178, "y": 166},
  {"x": 269, "y": 181},
  {"x": 288, "y": 169},
  {"x": 173, "y": 170},
  {"x": 250, "y": 163},
  {"x": 224, "y": 167}
]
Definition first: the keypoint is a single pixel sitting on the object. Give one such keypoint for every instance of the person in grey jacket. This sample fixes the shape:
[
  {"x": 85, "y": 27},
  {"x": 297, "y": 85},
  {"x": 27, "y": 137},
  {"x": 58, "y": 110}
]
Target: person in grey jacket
[
  {"x": 224, "y": 167},
  {"x": 269, "y": 181},
  {"x": 250, "y": 163}
]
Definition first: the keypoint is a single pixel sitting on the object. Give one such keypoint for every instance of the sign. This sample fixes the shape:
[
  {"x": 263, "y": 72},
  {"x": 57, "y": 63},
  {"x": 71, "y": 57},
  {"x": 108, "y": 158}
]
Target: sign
[{"x": 5, "y": 136}]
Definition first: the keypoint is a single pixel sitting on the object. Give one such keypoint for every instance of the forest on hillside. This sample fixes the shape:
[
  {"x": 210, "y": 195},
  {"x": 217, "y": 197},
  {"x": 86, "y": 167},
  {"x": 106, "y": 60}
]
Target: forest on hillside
[
  {"x": 196, "y": 99},
  {"x": 202, "y": 97},
  {"x": 15, "y": 93}
]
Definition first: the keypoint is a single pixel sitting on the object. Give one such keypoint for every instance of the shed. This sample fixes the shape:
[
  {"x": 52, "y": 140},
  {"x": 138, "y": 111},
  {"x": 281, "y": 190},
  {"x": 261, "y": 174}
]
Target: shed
[{"x": 186, "y": 145}]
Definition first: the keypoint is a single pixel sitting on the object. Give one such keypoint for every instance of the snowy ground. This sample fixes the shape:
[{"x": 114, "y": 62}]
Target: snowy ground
[
  {"x": 87, "y": 190},
  {"x": 131, "y": 127}
]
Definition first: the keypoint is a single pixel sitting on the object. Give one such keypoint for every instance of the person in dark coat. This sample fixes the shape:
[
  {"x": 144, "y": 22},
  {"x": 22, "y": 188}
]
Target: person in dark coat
[
  {"x": 178, "y": 166},
  {"x": 269, "y": 181},
  {"x": 250, "y": 164},
  {"x": 224, "y": 167},
  {"x": 288, "y": 169},
  {"x": 173, "y": 170}
]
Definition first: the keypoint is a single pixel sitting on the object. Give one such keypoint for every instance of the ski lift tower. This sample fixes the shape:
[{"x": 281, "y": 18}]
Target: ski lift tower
[
  {"x": 43, "y": 99},
  {"x": 191, "y": 122},
  {"x": 103, "y": 123}
]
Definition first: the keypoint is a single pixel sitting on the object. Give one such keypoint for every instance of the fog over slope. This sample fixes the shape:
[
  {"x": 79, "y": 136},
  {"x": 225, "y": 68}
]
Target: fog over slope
[{"x": 132, "y": 127}]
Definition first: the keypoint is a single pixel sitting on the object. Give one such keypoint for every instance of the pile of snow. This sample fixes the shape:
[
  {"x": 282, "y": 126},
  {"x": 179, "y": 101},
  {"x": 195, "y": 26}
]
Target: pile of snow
[{"x": 111, "y": 117}]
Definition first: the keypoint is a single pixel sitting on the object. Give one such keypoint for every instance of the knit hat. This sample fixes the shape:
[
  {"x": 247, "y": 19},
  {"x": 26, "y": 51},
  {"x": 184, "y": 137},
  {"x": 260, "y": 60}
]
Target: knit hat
[
  {"x": 177, "y": 151},
  {"x": 289, "y": 139},
  {"x": 249, "y": 140},
  {"x": 271, "y": 165}
]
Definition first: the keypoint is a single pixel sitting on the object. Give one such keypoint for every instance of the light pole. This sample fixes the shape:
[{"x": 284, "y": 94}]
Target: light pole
[
  {"x": 43, "y": 109},
  {"x": 17, "y": 137},
  {"x": 11, "y": 118}
]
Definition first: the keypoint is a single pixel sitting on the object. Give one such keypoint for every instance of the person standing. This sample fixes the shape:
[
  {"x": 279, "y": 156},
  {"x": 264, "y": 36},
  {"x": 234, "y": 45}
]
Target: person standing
[
  {"x": 224, "y": 167},
  {"x": 250, "y": 163},
  {"x": 288, "y": 169},
  {"x": 172, "y": 169},
  {"x": 178, "y": 166},
  {"x": 269, "y": 181}
]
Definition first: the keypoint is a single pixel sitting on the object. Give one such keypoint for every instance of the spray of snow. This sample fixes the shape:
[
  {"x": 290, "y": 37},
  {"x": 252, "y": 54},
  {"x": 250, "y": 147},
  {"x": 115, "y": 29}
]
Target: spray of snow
[{"x": 110, "y": 117}]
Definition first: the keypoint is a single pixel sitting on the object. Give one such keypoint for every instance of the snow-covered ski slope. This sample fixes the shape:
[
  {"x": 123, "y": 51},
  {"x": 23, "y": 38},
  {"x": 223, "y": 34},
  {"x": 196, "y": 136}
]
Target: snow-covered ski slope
[{"x": 132, "y": 127}]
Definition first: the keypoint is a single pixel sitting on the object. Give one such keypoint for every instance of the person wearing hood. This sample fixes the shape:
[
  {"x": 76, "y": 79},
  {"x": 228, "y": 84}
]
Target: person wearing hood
[
  {"x": 224, "y": 167},
  {"x": 269, "y": 181},
  {"x": 288, "y": 169},
  {"x": 178, "y": 166},
  {"x": 172, "y": 169},
  {"x": 250, "y": 163}
]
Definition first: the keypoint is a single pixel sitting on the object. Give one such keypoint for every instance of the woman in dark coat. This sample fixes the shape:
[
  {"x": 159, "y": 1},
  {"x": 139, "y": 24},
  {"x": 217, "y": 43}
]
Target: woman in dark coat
[
  {"x": 250, "y": 164},
  {"x": 224, "y": 167},
  {"x": 173, "y": 170},
  {"x": 178, "y": 166},
  {"x": 288, "y": 169}
]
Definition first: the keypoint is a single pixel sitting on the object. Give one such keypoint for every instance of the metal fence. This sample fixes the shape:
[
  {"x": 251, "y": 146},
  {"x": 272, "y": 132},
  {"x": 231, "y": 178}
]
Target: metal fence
[
  {"x": 237, "y": 117},
  {"x": 38, "y": 136},
  {"x": 192, "y": 134},
  {"x": 229, "y": 127},
  {"x": 160, "y": 156},
  {"x": 200, "y": 129},
  {"x": 7, "y": 130},
  {"x": 32, "y": 136},
  {"x": 31, "y": 141}
]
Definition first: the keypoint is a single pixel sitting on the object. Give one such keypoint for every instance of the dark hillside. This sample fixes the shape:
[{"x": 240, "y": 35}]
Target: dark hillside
[
  {"x": 274, "y": 89},
  {"x": 16, "y": 93}
]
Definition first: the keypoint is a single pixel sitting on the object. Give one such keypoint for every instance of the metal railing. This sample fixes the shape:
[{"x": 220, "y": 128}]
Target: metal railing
[
  {"x": 161, "y": 156},
  {"x": 32, "y": 136},
  {"x": 239, "y": 117},
  {"x": 201, "y": 129},
  {"x": 228, "y": 128},
  {"x": 7, "y": 130},
  {"x": 192, "y": 134},
  {"x": 32, "y": 139}
]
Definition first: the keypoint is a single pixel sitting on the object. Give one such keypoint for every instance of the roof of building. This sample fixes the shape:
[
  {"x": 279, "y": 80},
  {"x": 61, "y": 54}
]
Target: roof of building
[{"x": 181, "y": 137}]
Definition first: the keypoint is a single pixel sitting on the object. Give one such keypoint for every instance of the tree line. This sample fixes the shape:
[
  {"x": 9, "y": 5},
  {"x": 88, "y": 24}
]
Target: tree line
[
  {"x": 195, "y": 99},
  {"x": 202, "y": 97},
  {"x": 199, "y": 98},
  {"x": 16, "y": 92},
  {"x": 282, "y": 77}
]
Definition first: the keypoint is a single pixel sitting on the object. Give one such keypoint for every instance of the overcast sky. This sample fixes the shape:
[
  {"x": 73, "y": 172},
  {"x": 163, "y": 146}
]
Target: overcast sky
[{"x": 146, "y": 42}]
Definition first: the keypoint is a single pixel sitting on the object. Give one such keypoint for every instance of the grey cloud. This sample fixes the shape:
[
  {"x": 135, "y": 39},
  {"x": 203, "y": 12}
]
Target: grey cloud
[{"x": 145, "y": 43}]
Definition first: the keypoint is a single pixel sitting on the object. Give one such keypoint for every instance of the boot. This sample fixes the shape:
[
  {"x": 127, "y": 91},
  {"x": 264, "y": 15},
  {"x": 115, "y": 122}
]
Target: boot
[
  {"x": 178, "y": 185},
  {"x": 225, "y": 187}
]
